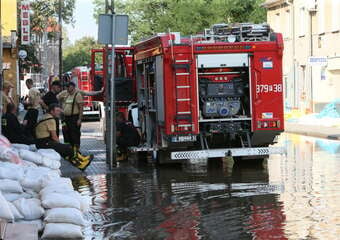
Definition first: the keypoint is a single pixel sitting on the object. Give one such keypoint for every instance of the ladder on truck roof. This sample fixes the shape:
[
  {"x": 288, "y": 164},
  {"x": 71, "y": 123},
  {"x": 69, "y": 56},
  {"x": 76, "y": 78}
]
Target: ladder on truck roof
[{"x": 182, "y": 72}]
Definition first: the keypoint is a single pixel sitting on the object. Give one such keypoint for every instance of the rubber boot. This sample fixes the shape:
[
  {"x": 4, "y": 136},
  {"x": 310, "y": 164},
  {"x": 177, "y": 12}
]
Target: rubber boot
[
  {"x": 73, "y": 160},
  {"x": 84, "y": 161}
]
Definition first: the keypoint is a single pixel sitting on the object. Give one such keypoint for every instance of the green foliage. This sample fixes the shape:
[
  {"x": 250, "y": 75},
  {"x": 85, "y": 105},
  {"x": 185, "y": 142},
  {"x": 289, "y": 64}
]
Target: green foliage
[
  {"x": 31, "y": 61},
  {"x": 148, "y": 17},
  {"x": 45, "y": 13},
  {"x": 79, "y": 54}
]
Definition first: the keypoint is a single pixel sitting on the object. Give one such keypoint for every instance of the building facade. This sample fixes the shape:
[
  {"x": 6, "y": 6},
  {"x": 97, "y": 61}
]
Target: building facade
[
  {"x": 9, "y": 36},
  {"x": 311, "y": 62}
]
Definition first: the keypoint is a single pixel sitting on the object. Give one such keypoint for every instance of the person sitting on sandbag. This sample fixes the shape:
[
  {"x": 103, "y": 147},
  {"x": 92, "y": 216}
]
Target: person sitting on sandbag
[
  {"x": 11, "y": 127},
  {"x": 127, "y": 135},
  {"x": 46, "y": 137}
]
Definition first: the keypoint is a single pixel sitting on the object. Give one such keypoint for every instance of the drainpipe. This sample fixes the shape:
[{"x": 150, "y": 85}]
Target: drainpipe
[
  {"x": 311, "y": 54},
  {"x": 292, "y": 10}
]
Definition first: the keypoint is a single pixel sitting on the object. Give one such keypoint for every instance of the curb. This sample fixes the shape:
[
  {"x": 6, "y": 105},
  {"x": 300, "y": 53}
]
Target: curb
[{"x": 313, "y": 131}]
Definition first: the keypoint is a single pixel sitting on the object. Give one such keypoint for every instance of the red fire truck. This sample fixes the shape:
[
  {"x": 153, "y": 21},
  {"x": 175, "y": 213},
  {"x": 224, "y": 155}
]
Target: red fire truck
[
  {"x": 125, "y": 81},
  {"x": 212, "y": 95},
  {"x": 81, "y": 77}
]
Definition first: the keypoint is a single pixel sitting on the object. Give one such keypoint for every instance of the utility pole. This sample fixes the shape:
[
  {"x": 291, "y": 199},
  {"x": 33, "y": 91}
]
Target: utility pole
[
  {"x": 113, "y": 133},
  {"x": 1, "y": 65},
  {"x": 107, "y": 94},
  {"x": 60, "y": 20},
  {"x": 110, "y": 113}
]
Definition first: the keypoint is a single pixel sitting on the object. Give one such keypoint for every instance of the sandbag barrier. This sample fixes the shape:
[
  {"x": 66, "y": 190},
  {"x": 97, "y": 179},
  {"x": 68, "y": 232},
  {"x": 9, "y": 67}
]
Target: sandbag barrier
[{"x": 32, "y": 191}]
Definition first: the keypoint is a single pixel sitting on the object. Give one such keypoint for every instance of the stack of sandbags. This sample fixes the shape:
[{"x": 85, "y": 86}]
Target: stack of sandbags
[
  {"x": 64, "y": 209},
  {"x": 32, "y": 191}
]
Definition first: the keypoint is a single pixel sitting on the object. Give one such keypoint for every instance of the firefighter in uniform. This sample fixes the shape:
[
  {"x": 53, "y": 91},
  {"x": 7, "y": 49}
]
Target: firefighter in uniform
[
  {"x": 46, "y": 137},
  {"x": 11, "y": 127},
  {"x": 127, "y": 136},
  {"x": 72, "y": 101},
  {"x": 51, "y": 97},
  {"x": 33, "y": 105}
]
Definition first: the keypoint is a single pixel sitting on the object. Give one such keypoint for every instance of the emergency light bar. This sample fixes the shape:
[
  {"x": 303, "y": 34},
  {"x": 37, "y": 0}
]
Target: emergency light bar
[{"x": 243, "y": 32}]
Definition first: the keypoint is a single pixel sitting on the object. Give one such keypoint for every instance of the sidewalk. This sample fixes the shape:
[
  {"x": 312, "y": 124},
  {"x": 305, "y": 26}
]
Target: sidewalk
[
  {"x": 313, "y": 130},
  {"x": 91, "y": 143}
]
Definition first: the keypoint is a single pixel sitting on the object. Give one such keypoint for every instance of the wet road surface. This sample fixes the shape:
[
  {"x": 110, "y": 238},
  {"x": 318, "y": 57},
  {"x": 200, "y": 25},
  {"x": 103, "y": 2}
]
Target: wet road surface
[{"x": 287, "y": 197}]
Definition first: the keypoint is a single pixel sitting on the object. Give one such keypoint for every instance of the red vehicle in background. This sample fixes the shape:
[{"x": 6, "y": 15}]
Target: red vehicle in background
[
  {"x": 92, "y": 107},
  {"x": 124, "y": 77}
]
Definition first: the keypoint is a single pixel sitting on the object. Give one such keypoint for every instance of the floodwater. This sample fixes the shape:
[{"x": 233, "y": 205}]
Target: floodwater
[{"x": 293, "y": 196}]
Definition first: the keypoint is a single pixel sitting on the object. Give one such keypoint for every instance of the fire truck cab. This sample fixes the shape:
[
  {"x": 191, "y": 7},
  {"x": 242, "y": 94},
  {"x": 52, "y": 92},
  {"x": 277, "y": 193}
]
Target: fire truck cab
[
  {"x": 212, "y": 95},
  {"x": 81, "y": 77}
]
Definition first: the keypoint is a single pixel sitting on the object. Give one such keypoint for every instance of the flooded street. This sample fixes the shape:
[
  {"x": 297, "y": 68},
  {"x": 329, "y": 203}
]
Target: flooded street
[{"x": 287, "y": 197}]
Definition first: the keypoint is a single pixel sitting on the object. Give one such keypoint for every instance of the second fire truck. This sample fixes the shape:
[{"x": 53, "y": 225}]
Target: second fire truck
[{"x": 209, "y": 96}]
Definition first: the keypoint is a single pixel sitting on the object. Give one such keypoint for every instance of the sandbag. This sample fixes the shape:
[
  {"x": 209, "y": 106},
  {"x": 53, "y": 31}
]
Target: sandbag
[
  {"x": 28, "y": 164},
  {"x": 11, "y": 171},
  {"x": 64, "y": 215},
  {"x": 30, "y": 208},
  {"x": 61, "y": 188},
  {"x": 20, "y": 146},
  {"x": 5, "y": 210},
  {"x": 85, "y": 202},
  {"x": 30, "y": 156},
  {"x": 50, "y": 181},
  {"x": 33, "y": 148},
  {"x": 50, "y": 163},
  {"x": 16, "y": 214},
  {"x": 32, "y": 193},
  {"x": 60, "y": 200},
  {"x": 9, "y": 155},
  {"x": 10, "y": 186},
  {"x": 50, "y": 153},
  {"x": 34, "y": 176},
  {"x": 38, "y": 222},
  {"x": 11, "y": 197},
  {"x": 62, "y": 230}
]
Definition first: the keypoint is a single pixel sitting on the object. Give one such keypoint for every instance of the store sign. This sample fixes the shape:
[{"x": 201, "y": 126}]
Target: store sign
[
  {"x": 25, "y": 22},
  {"x": 317, "y": 61}
]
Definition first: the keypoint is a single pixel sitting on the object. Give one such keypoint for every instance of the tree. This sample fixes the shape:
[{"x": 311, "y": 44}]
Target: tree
[
  {"x": 44, "y": 18},
  {"x": 148, "y": 17},
  {"x": 45, "y": 15},
  {"x": 79, "y": 54}
]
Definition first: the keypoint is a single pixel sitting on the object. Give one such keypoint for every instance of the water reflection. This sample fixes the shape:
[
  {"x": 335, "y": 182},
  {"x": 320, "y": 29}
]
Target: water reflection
[
  {"x": 310, "y": 177},
  {"x": 292, "y": 197}
]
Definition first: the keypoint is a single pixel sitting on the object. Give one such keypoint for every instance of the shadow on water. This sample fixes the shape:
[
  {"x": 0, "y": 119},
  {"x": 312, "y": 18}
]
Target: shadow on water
[{"x": 287, "y": 197}]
